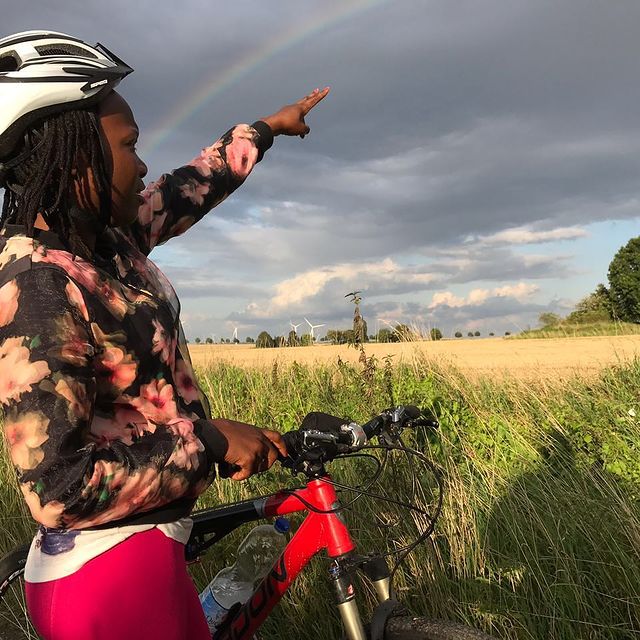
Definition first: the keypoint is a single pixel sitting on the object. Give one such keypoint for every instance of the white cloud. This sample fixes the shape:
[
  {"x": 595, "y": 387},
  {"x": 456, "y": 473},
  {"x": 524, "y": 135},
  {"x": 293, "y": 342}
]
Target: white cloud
[
  {"x": 526, "y": 235},
  {"x": 477, "y": 297},
  {"x": 293, "y": 293}
]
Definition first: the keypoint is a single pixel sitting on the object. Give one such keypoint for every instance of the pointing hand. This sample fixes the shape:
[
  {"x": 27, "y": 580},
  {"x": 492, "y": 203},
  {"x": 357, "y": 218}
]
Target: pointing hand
[{"x": 289, "y": 120}]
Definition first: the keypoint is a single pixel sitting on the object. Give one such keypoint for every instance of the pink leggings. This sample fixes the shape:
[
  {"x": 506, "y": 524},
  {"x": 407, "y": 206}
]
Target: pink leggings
[{"x": 138, "y": 590}]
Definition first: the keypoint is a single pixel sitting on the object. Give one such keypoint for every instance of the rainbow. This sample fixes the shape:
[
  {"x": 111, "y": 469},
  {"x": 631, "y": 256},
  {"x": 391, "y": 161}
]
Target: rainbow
[{"x": 252, "y": 61}]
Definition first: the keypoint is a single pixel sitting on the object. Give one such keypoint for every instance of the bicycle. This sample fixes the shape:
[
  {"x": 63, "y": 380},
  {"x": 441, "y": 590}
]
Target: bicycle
[{"x": 320, "y": 440}]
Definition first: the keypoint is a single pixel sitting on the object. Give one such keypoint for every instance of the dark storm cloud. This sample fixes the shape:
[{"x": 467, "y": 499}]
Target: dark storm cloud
[{"x": 448, "y": 123}]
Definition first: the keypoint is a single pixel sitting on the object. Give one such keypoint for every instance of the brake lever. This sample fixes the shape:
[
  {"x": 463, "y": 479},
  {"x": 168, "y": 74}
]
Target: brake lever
[
  {"x": 430, "y": 423},
  {"x": 402, "y": 417}
]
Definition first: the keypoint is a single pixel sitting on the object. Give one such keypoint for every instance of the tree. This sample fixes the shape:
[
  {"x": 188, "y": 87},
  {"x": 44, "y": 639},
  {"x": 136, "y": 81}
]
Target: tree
[
  {"x": 209, "y": 340},
  {"x": 249, "y": 340},
  {"x": 305, "y": 340},
  {"x": 292, "y": 339},
  {"x": 403, "y": 333},
  {"x": 436, "y": 334},
  {"x": 491, "y": 334},
  {"x": 384, "y": 335},
  {"x": 197, "y": 340},
  {"x": 341, "y": 336},
  {"x": 624, "y": 282},
  {"x": 476, "y": 334},
  {"x": 458, "y": 334},
  {"x": 549, "y": 319},
  {"x": 264, "y": 341},
  {"x": 596, "y": 307},
  {"x": 507, "y": 333},
  {"x": 470, "y": 334}
]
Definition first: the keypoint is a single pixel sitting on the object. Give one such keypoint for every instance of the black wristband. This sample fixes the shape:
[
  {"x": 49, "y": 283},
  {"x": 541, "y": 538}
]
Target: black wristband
[
  {"x": 215, "y": 444},
  {"x": 265, "y": 137}
]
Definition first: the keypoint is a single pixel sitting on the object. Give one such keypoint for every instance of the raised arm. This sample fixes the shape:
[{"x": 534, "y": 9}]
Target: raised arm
[{"x": 179, "y": 199}]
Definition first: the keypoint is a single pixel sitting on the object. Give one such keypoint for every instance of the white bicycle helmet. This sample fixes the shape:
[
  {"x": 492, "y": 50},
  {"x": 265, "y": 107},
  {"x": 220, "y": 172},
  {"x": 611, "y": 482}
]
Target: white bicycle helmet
[{"x": 45, "y": 72}]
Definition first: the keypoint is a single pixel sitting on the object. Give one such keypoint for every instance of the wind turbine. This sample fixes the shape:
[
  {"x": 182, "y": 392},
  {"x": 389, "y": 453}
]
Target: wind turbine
[
  {"x": 294, "y": 326},
  {"x": 312, "y": 327}
]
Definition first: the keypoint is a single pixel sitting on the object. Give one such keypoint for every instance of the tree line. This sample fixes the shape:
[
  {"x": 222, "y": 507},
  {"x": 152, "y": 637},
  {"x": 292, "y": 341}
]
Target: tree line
[{"x": 619, "y": 302}]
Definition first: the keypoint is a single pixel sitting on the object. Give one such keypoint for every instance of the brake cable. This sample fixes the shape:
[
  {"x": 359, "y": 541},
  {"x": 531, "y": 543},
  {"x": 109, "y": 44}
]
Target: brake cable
[
  {"x": 403, "y": 552},
  {"x": 380, "y": 466}
]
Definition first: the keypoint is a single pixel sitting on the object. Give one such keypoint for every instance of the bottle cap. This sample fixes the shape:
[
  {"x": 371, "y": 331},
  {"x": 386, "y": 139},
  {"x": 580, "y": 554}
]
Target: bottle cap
[{"x": 282, "y": 525}]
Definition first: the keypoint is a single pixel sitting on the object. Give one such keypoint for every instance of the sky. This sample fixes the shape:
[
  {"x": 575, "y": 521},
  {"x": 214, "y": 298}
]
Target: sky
[{"x": 476, "y": 163}]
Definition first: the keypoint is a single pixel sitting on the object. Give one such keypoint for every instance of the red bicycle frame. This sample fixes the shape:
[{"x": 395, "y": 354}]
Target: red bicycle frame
[{"x": 323, "y": 528}]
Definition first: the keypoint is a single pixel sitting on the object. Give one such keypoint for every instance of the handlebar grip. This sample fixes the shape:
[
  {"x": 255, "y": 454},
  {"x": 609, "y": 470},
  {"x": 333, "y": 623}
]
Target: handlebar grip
[
  {"x": 412, "y": 411},
  {"x": 292, "y": 442},
  {"x": 373, "y": 427}
]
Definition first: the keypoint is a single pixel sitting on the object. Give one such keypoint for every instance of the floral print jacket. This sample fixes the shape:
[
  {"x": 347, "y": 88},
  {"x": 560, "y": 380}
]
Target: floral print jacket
[{"x": 102, "y": 414}]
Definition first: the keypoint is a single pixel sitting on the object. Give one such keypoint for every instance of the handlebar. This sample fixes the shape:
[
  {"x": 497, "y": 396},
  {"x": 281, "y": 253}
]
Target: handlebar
[{"x": 322, "y": 437}]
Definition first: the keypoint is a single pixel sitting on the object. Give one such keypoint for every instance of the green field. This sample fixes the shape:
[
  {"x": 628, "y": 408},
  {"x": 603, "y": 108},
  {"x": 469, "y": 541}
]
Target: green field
[
  {"x": 574, "y": 330},
  {"x": 540, "y": 531}
]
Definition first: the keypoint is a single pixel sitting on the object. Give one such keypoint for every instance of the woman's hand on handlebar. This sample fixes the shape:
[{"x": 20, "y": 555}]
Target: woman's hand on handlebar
[{"x": 250, "y": 449}]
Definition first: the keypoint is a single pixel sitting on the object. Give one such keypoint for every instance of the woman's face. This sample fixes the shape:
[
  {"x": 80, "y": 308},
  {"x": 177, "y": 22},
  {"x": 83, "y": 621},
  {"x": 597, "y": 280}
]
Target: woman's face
[{"x": 120, "y": 135}]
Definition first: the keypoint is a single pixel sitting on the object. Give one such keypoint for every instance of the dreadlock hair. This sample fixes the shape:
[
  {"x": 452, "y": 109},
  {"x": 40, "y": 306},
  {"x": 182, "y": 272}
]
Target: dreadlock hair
[{"x": 54, "y": 150}]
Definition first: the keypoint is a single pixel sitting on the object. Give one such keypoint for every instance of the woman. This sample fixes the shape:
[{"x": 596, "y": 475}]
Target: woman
[{"x": 109, "y": 432}]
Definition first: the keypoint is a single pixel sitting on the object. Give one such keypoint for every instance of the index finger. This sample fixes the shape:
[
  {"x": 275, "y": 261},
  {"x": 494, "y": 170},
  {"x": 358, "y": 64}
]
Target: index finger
[
  {"x": 310, "y": 101},
  {"x": 276, "y": 441}
]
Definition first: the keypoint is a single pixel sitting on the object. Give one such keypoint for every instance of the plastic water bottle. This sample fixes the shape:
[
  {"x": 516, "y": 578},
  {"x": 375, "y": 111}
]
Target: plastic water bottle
[{"x": 255, "y": 556}]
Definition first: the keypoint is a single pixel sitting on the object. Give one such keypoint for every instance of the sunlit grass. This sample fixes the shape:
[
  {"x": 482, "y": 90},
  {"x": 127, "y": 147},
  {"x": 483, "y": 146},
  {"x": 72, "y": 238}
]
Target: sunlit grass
[
  {"x": 540, "y": 531},
  {"x": 567, "y": 330}
]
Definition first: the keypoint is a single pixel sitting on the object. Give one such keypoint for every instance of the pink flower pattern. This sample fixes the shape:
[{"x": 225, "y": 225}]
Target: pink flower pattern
[
  {"x": 17, "y": 373},
  {"x": 75, "y": 393},
  {"x": 79, "y": 270},
  {"x": 88, "y": 356},
  {"x": 242, "y": 152},
  {"x": 185, "y": 382},
  {"x": 164, "y": 345},
  {"x": 156, "y": 402},
  {"x": 9, "y": 295},
  {"x": 115, "y": 367},
  {"x": 74, "y": 345},
  {"x": 25, "y": 436},
  {"x": 76, "y": 299},
  {"x": 209, "y": 161}
]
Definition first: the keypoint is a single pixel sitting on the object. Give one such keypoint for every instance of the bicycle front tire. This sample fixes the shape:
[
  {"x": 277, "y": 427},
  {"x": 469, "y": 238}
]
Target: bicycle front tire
[
  {"x": 412, "y": 628},
  {"x": 14, "y": 620}
]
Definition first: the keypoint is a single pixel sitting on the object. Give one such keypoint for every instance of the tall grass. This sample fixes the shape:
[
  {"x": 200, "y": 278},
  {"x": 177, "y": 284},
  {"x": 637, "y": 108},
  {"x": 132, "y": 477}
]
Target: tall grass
[
  {"x": 575, "y": 330},
  {"x": 539, "y": 535}
]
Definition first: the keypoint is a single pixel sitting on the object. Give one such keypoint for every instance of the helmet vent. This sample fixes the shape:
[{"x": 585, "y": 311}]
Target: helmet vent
[
  {"x": 8, "y": 62},
  {"x": 64, "y": 50}
]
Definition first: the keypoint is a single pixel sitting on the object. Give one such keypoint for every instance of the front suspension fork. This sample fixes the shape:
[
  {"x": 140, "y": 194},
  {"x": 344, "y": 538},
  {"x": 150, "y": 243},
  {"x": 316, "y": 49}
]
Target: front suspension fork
[{"x": 340, "y": 571}]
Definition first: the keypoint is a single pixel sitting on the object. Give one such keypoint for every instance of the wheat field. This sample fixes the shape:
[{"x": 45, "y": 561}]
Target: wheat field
[{"x": 547, "y": 358}]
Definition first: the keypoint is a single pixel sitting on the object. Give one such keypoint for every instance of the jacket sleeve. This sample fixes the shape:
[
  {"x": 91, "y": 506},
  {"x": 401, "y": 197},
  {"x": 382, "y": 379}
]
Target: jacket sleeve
[
  {"x": 70, "y": 478},
  {"x": 179, "y": 199}
]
